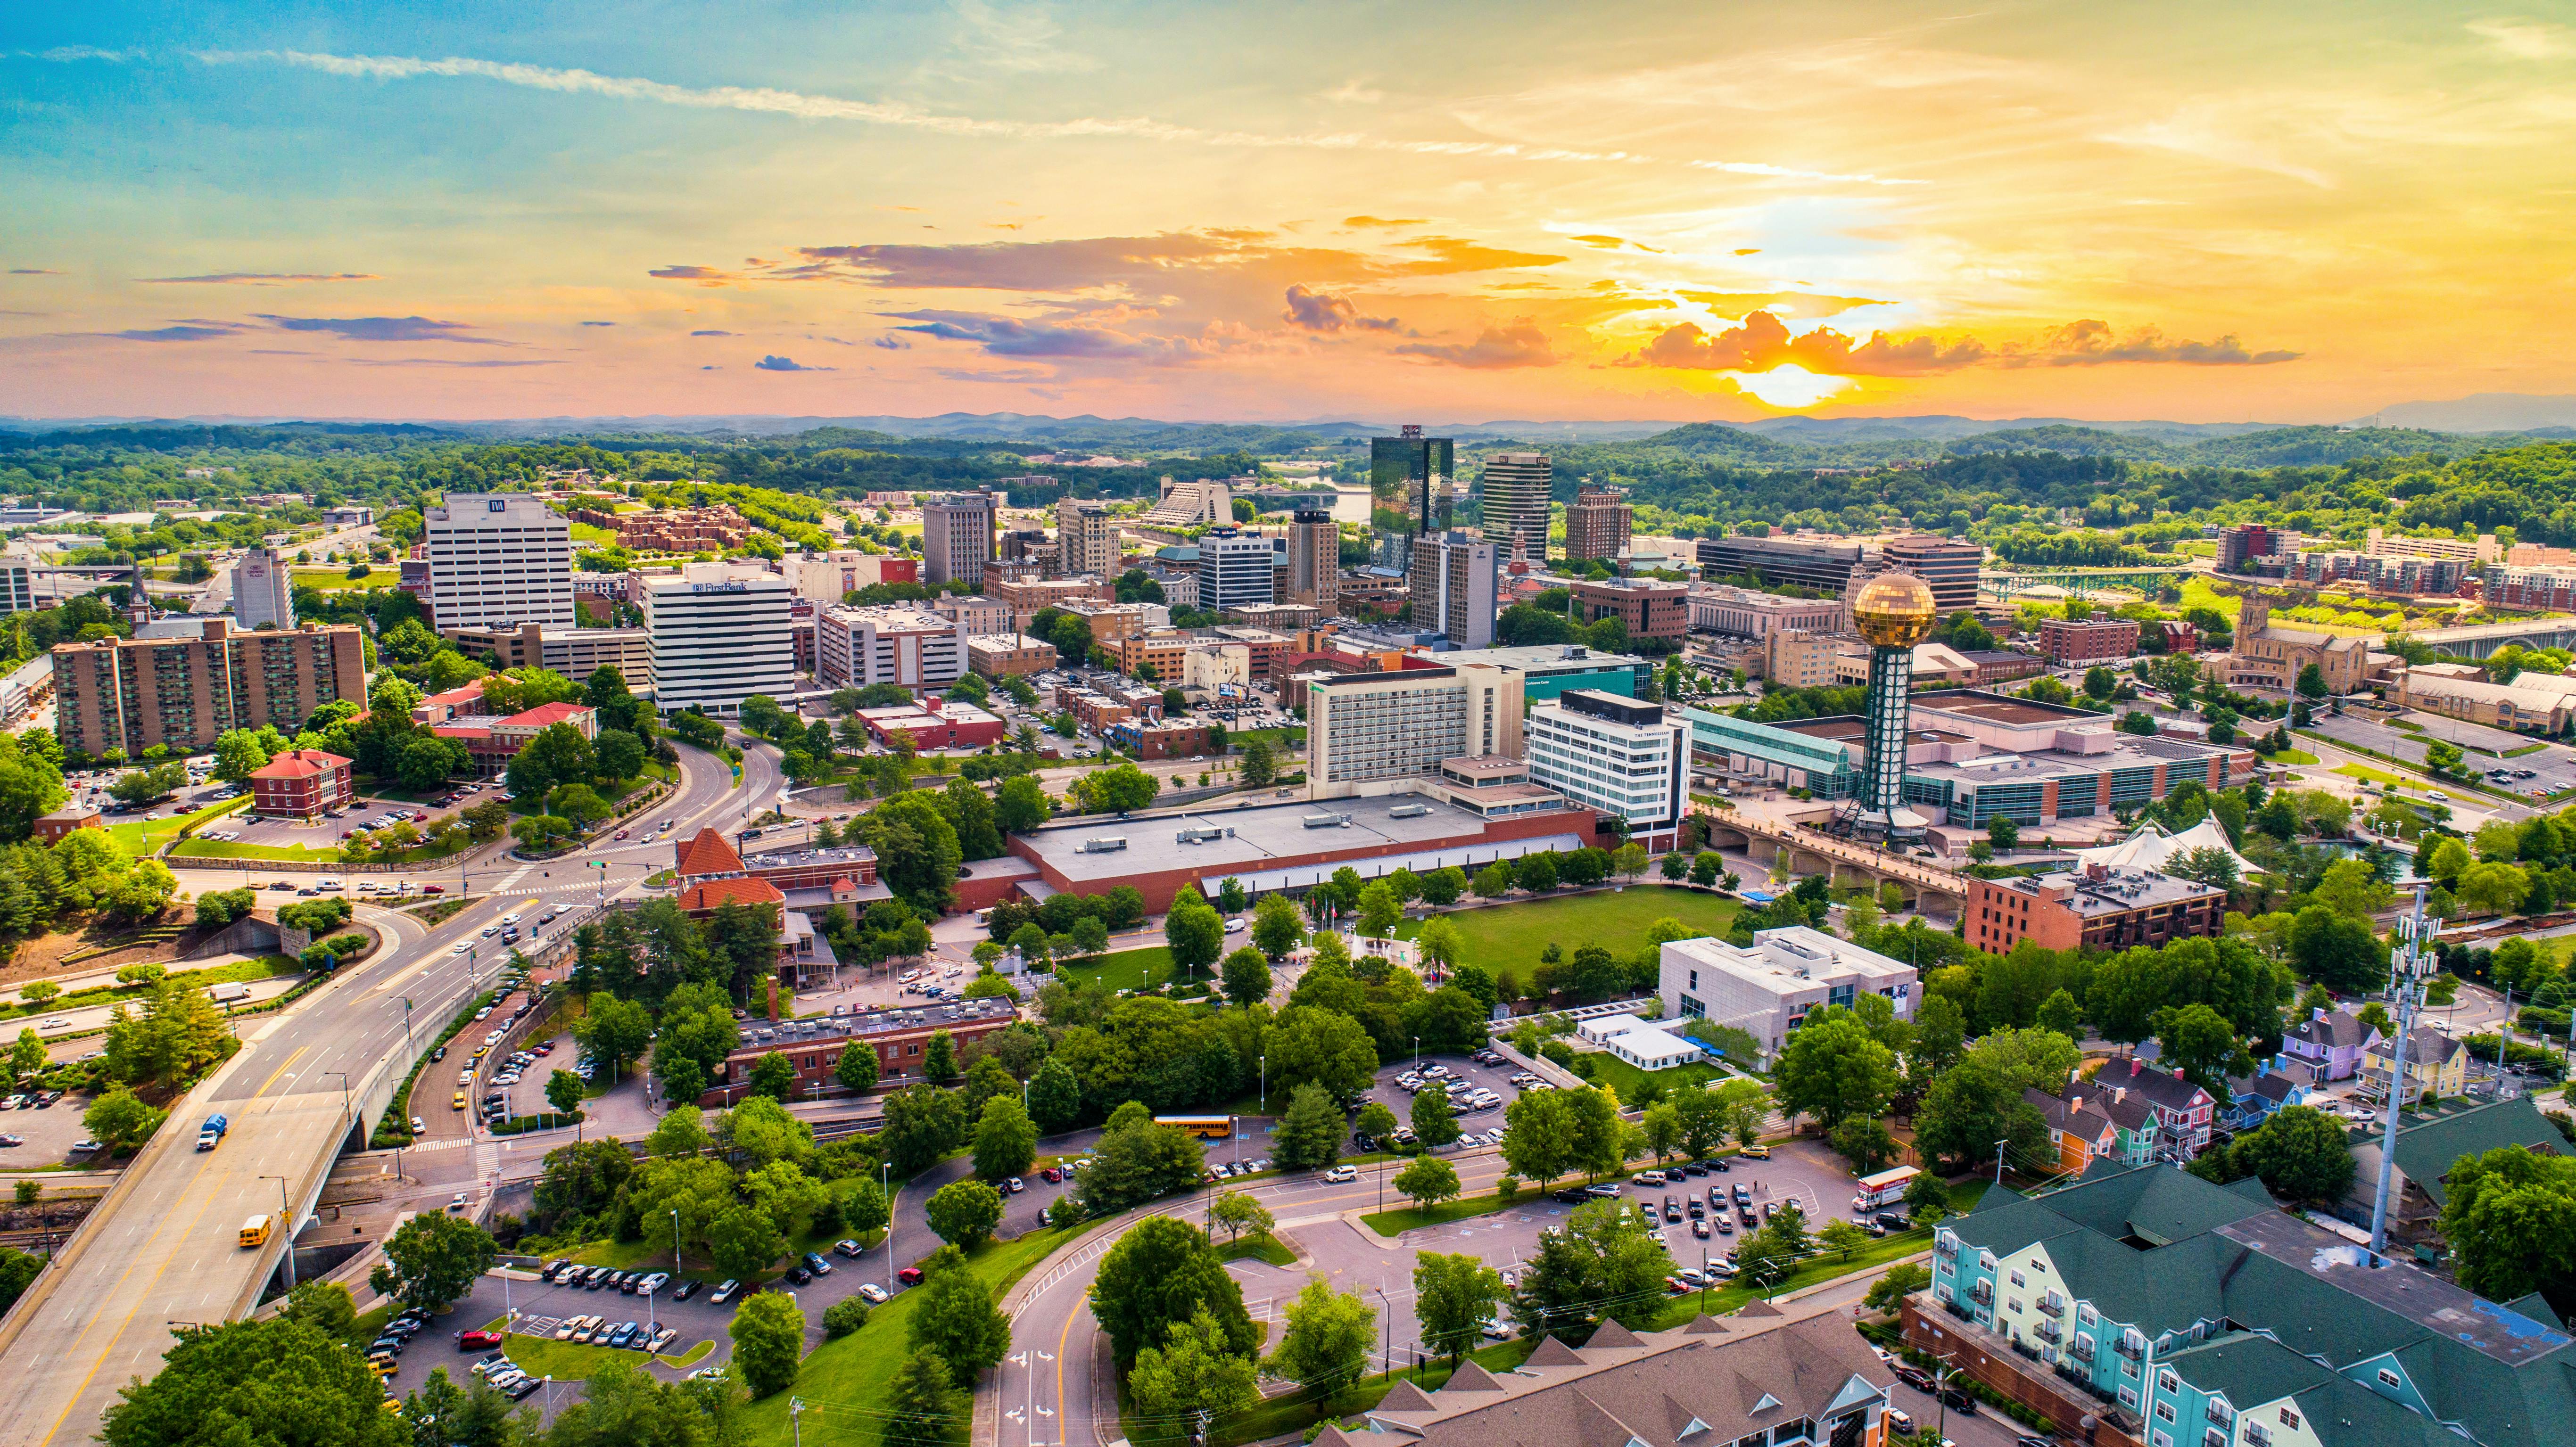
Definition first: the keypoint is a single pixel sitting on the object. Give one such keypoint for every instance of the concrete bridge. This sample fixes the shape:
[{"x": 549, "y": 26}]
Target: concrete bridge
[
  {"x": 2005, "y": 581},
  {"x": 2483, "y": 640},
  {"x": 1929, "y": 889}
]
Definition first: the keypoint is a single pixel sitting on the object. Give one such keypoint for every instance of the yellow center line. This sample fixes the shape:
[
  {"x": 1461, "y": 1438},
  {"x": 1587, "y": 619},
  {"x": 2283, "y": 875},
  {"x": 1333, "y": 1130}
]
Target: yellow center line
[
  {"x": 205, "y": 1203},
  {"x": 280, "y": 1070}
]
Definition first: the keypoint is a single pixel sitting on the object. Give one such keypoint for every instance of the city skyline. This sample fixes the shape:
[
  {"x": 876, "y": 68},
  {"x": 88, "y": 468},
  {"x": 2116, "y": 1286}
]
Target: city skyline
[{"x": 1198, "y": 213}]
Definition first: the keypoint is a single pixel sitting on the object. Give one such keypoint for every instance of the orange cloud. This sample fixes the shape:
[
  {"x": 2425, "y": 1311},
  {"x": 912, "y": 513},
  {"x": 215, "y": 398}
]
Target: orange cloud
[
  {"x": 1521, "y": 344},
  {"x": 1779, "y": 303},
  {"x": 1762, "y": 342}
]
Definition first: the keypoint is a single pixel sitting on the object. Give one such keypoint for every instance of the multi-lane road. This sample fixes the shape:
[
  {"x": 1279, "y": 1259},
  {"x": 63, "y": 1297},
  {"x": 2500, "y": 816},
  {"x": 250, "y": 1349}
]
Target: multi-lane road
[{"x": 162, "y": 1248}]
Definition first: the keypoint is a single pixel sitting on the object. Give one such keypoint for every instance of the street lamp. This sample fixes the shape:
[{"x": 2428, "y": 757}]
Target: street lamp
[
  {"x": 344, "y": 1088},
  {"x": 885, "y": 1175},
  {"x": 286, "y": 1223}
]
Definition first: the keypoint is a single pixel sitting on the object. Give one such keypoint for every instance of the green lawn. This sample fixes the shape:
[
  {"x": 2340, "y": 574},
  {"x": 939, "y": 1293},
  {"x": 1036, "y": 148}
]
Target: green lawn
[
  {"x": 142, "y": 837},
  {"x": 1510, "y": 936},
  {"x": 1261, "y": 1247},
  {"x": 1126, "y": 970},
  {"x": 2293, "y": 756},
  {"x": 851, "y": 1374},
  {"x": 253, "y": 969},
  {"x": 568, "y": 1361},
  {"x": 2376, "y": 776},
  {"x": 1293, "y": 736},
  {"x": 229, "y": 849}
]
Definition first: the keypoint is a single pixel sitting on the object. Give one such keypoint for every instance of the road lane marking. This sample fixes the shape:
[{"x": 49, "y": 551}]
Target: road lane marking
[
  {"x": 205, "y": 1203},
  {"x": 280, "y": 1070}
]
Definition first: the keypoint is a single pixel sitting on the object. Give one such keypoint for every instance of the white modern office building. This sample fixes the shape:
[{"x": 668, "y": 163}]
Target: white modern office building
[
  {"x": 718, "y": 638},
  {"x": 1369, "y": 731},
  {"x": 913, "y": 647},
  {"x": 1454, "y": 576},
  {"x": 499, "y": 558},
  {"x": 1615, "y": 756},
  {"x": 263, "y": 590},
  {"x": 1236, "y": 570},
  {"x": 1767, "y": 989}
]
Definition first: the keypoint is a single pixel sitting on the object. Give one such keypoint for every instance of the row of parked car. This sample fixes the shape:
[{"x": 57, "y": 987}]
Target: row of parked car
[
  {"x": 626, "y": 1283},
  {"x": 599, "y": 1331}
]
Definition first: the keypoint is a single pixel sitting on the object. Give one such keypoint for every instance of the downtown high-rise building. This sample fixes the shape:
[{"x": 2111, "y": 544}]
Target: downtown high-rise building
[
  {"x": 1411, "y": 473},
  {"x": 1515, "y": 489},
  {"x": 1598, "y": 524},
  {"x": 263, "y": 590},
  {"x": 1086, "y": 538},
  {"x": 1315, "y": 560},
  {"x": 1948, "y": 566},
  {"x": 957, "y": 536},
  {"x": 1453, "y": 587},
  {"x": 498, "y": 558},
  {"x": 1236, "y": 569}
]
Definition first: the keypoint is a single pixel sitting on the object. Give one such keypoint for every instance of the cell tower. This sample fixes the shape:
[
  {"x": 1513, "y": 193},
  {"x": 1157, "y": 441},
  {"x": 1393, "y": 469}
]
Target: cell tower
[{"x": 2410, "y": 964}]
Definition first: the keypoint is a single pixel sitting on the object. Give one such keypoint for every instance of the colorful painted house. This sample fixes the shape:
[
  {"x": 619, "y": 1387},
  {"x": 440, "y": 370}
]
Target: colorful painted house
[
  {"x": 2083, "y": 1131},
  {"x": 2436, "y": 1064},
  {"x": 2325, "y": 1047},
  {"x": 2253, "y": 1098}
]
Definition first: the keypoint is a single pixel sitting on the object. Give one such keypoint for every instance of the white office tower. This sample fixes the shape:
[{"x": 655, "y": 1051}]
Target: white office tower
[
  {"x": 1515, "y": 488},
  {"x": 1453, "y": 587},
  {"x": 499, "y": 558},
  {"x": 1086, "y": 538},
  {"x": 1613, "y": 755},
  {"x": 1236, "y": 569},
  {"x": 718, "y": 638},
  {"x": 957, "y": 537},
  {"x": 263, "y": 590}
]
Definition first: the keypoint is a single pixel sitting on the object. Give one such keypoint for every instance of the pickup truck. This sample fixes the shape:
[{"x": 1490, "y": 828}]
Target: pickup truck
[{"x": 211, "y": 1134}]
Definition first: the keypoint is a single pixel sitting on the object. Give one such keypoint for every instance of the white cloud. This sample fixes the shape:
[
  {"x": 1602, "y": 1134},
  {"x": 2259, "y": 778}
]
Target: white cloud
[{"x": 2524, "y": 39}]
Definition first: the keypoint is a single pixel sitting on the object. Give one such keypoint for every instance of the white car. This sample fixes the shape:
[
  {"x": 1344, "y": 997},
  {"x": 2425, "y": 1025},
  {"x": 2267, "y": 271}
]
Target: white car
[
  {"x": 461, "y": 948},
  {"x": 1234, "y": 926},
  {"x": 1341, "y": 1175}
]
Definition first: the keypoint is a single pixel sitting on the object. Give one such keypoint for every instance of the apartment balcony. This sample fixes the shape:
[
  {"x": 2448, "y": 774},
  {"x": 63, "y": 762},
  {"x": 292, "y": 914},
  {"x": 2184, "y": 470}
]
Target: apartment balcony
[
  {"x": 2135, "y": 1353},
  {"x": 1984, "y": 1292},
  {"x": 1946, "y": 1250},
  {"x": 2048, "y": 1331},
  {"x": 2049, "y": 1306}
]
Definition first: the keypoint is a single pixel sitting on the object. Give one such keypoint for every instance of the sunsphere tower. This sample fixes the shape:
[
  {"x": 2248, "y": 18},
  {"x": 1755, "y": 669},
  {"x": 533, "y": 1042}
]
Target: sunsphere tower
[{"x": 1892, "y": 612}]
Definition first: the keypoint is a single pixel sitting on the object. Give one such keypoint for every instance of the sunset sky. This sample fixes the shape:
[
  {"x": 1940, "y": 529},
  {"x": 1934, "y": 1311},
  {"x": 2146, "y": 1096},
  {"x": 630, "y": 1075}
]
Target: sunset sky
[{"x": 2295, "y": 212}]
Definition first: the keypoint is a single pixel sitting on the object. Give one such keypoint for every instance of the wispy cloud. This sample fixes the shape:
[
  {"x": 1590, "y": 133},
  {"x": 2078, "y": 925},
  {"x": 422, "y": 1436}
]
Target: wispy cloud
[
  {"x": 1521, "y": 344},
  {"x": 1011, "y": 337},
  {"x": 178, "y": 332},
  {"x": 385, "y": 329},
  {"x": 2525, "y": 39},
  {"x": 599, "y": 324},
  {"x": 702, "y": 275},
  {"x": 36, "y": 271},
  {"x": 448, "y": 362},
  {"x": 776, "y": 363},
  {"x": 803, "y": 106},
  {"x": 258, "y": 278},
  {"x": 69, "y": 53},
  {"x": 1023, "y": 40},
  {"x": 710, "y": 332}
]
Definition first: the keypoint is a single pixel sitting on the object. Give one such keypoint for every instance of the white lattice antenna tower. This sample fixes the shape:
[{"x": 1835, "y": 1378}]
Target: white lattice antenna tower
[{"x": 2410, "y": 963}]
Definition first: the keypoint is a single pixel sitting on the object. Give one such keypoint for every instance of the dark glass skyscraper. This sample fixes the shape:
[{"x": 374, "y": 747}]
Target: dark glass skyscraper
[{"x": 1418, "y": 472}]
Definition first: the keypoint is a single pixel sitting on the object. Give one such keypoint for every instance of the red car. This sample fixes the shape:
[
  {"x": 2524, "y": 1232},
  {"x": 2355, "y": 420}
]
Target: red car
[
  {"x": 477, "y": 1341},
  {"x": 1051, "y": 1175},
  {"x": 909, "y": 1276}
]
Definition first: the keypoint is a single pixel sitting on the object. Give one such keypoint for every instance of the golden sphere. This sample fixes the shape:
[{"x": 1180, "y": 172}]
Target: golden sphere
[{"x": 1894, "y": 610}]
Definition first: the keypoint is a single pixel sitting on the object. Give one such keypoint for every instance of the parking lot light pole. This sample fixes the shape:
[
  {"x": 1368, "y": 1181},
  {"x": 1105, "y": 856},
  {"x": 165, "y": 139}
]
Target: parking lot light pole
[
  {"x": 286, "y": 1223},
  {"x": 885, "y": 1176}
]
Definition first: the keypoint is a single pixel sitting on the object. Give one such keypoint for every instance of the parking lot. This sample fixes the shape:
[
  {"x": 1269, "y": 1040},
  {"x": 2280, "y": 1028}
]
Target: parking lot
[
  {"x": 45, "y": 1135},
  {"x": 540, "y": 1311},
  {"x": 1494, "y": 1078},
  {"x": 2553, "y": 766}
]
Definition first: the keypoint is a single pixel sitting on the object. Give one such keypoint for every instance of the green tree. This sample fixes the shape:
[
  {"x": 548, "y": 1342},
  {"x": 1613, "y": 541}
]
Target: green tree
[
  {"x": 1020, "y": 805},
  {"x": 2004, "y": 832},
  {"x": 1193, "y": 1376},
  {"x": 1380, "y": 911},
  {"x": 774, "y": 1076},
  {"x": 1162, "y": 1271},
  {"x": 923, "y": 1406},
  {"x": 939, "y": 1060},
  {"x": 682, "y": 1130},
  {"x": 299, "y": 1385},
  {"x": 1538, "y": 1142},
  {"x": 918, "y": 854},
  {"x": 2060, "y": 1014},
  {"x": 743, "y": 1242},
  {"x": 1433, "y": 1122},
  {"x": 322, "y": 1305},
  {"x": 958, "y": 1320},
  {"x": 432, "y": 1259},
  {"x": 2510, "y": 1222},
  {"x": 1311, "y": 1043},
  {"x": 922, "y": 1123},
  {"x": 768, "y": 1332},
  {"x": 1454, "y": 1296},
  {"x": 1375, "y": 1121},
  {"x": 1277, "y": 927},
  {"x": 857, "y": 1066},
  {"x": 1326, "y": 1345},
  {"x": 1831, "y": 1069},
  {"x": 1309, "y": 1135},
  {"x": 1429, "y": 1180},
  {"x": 120, "y": 1120},
  {"x": 1238, "y": 1212},
  {"x": 790, "y": 1198},
  {"x": 563, "y": 1092},
  {"x": 1006, "y": 1140},
  {"x": 2301, "y": 1154},
  {"x": 1260, "y": 762},
  {"x": 1195, "y": 932},
  {"x": 1055, "y": 1097},
  {"x": 613, "y": 1032},
  {"x": 1246, "y": 977},
  {"x": 2201, "y": 1042},
  {"x": 1601, "y": 1263},
  {"x": 1845, "y": 1237}
]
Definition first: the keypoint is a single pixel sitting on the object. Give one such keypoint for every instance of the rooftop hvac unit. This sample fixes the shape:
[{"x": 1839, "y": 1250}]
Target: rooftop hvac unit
[
  {"x": 1328, "y": 821},
  {"x": 1204, "y": 836},
  {"x": 1108, "y": 845},
  {"x": 1408, "y": 811}
]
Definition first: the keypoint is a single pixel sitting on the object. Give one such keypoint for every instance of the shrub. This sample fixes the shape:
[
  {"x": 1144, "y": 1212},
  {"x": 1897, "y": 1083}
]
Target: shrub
[{"x": 844, "y": 1317}]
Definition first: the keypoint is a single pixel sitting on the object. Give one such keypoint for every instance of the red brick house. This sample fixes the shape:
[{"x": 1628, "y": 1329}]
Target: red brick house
[{"x": 302, "y": 784}]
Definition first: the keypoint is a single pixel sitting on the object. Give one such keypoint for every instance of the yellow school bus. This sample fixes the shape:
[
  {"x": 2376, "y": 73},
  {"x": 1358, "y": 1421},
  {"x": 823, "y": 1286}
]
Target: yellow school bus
[
  {"x": 254, "y": 1232},
  {"x": 1205, "y": 1127}
]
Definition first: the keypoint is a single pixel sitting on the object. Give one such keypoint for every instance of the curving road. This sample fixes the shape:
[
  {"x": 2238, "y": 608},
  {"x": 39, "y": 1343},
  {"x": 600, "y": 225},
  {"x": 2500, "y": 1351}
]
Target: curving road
[{"x": 161, "y": 1249}]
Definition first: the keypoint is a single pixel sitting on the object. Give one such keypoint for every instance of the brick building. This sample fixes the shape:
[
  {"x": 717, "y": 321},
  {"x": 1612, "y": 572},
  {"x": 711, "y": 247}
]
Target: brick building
[
  {"x": 1650, "y": 607},
  {"x": 2080, "y": 643},
  {"x": 935, "y": 723},
  {"x": 2102, "y": 908},
  {"x": 493, "y": 743},
  {"x": 1165, "y": 740},
  {"x": 996, "y": 655},
  {"x": 1598, "y": 524},
  {"x": 185, "y": 687},
  {"x": 813, "y": 1047},
  {"x": 301, "y": 784}
]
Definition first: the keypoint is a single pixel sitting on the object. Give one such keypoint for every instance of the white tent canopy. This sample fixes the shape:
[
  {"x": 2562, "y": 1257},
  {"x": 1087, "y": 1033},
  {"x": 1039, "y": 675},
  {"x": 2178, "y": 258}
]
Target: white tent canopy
[{"x": 2152, "y": 848}]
